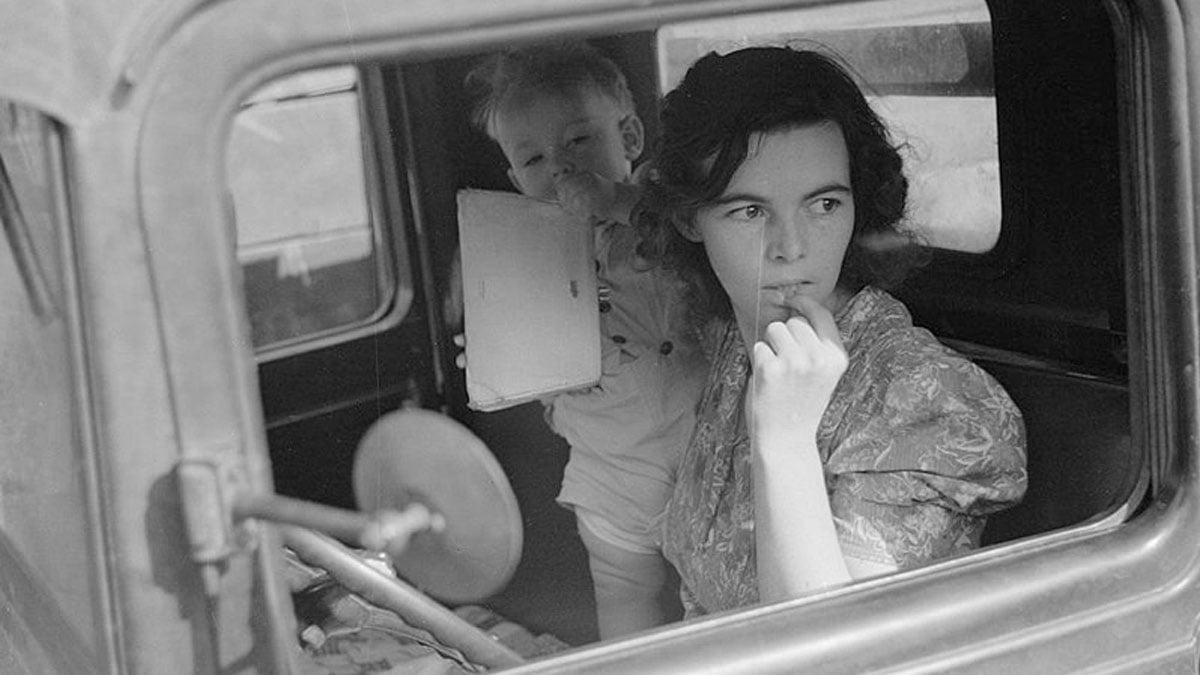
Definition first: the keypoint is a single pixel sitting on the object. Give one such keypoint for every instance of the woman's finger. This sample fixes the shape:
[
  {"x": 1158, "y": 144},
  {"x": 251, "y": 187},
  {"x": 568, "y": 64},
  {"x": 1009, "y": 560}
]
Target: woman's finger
[
  {"x": 819, "y": 319},
  {"x": 801, "y": 329},
  {"x": 762, "y": 354},
  {"x": 781, "y": 340}
]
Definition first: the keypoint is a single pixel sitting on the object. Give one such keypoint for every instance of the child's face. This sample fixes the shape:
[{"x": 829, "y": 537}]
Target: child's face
[
  {"x": 545, "y": 136},
  {"x": 781, "y": 227}
]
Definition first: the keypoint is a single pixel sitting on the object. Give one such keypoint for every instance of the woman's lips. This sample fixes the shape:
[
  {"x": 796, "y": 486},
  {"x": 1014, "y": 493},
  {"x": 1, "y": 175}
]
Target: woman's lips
[{"x": 783, "y": 296}]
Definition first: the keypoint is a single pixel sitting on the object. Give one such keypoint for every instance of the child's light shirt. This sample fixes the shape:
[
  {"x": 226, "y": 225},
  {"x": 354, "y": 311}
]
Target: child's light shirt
[{"x": 628, "y": 432}]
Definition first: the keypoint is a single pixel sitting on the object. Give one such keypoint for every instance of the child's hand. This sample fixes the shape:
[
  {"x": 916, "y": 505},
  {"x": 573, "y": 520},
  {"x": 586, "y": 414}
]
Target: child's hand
[
  {"x": 796, "y": 369},
  {"x": 460, "y": 359},
  {"x": 587, "y": 195}
]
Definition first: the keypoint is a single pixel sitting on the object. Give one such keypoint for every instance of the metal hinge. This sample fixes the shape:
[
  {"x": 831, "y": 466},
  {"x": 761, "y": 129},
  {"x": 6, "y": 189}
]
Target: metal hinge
[{"x": 210, "y": 487}]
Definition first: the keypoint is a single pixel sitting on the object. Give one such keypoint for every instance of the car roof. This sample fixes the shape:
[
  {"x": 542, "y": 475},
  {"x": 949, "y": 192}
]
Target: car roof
[{"x": 63, "y": 56}]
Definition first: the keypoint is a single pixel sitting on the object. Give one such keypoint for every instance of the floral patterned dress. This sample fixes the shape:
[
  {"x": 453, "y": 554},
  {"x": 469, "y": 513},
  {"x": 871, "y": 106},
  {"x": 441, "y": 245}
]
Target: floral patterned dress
[{"x": 918, "y": 443}]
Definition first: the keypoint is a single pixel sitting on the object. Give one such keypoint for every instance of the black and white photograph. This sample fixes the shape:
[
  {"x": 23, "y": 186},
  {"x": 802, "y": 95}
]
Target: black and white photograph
[{"x": 442, "y": 337}]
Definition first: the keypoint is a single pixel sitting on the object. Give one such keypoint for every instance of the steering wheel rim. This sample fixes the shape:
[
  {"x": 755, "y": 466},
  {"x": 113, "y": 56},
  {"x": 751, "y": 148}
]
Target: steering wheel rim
[{"x": 397, "y": 596}]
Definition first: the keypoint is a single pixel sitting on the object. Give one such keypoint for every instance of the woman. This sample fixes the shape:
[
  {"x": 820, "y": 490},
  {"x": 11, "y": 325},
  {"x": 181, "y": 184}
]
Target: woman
[{"x": 834, "y": 439}]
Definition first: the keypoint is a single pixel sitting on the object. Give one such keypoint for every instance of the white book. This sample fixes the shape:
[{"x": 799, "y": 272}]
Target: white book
[{"x": 530, "y": 307}]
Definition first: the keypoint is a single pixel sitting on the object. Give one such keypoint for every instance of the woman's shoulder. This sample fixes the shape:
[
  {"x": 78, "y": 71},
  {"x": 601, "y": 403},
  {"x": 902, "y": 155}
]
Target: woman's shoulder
[
  {"x": 875, "y": 324},
  {"x": 904, "y": 357},
  {"x": 909, "y": 398}
]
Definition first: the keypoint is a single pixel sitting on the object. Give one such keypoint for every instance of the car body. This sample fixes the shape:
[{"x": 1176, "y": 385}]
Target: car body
[{"x": 145, "y": 396}]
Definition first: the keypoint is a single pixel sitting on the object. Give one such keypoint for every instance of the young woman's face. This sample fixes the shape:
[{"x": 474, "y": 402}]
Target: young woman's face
[
  {"x": 544, "y": 136},
  {"x": 782, "y": 226}
]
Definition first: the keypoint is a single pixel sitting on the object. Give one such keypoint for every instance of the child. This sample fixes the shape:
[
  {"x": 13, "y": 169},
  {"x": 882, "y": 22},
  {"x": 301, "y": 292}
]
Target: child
[
  {"x": 834, "y": 439},
  {"x": 564, "y": 117}
]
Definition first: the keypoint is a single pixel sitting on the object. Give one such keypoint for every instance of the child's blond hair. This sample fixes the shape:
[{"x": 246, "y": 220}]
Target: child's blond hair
[{"x": 555, "y": 69}]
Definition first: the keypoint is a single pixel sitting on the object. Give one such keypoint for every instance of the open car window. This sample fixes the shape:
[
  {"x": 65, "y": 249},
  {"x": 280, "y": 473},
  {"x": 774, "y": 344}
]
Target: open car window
[{"x": 930, "y": 71}]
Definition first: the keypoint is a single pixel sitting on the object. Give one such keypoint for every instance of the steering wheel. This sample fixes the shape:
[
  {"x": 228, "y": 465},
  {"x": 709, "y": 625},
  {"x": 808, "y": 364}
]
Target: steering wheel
[
  {"x": 410, "y": 457},
  {"x": 417, "y": 456}
]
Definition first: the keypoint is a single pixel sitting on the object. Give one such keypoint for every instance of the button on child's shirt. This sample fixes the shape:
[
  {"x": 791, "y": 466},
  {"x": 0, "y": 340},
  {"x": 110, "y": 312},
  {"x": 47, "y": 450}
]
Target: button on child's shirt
[{"x": 604, "y": 293}]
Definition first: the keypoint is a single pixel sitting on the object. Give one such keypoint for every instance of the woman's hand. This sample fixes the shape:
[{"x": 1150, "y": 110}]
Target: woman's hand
[{"x": 796, "y": 369}]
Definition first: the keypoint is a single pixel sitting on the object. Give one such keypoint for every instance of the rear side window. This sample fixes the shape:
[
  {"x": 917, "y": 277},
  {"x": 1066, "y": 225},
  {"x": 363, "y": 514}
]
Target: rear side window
[
  {"x": 926, "y": 67},
  {"x": 312, "y": 249}
]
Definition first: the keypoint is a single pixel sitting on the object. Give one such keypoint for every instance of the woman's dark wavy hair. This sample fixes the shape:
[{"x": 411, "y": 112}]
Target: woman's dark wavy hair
[{"x": 707, "y": 124}]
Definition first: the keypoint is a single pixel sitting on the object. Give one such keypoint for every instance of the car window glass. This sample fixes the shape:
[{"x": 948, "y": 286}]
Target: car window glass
[
  {"x": 927, "y": 67},
  {"x": 47, "y": 552},
  {"x": 310, "y": 243}
]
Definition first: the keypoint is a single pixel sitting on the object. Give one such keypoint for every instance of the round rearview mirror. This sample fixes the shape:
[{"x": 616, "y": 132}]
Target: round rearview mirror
[{"x": 416, "y": 456}]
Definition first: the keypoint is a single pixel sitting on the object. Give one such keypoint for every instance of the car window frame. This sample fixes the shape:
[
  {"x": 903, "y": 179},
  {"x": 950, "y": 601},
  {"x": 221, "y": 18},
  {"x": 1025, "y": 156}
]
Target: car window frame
[{"x": 396, "y": 276}]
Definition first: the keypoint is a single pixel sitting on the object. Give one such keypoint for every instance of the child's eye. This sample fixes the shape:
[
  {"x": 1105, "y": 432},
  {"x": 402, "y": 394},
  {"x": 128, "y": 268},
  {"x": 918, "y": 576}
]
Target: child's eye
[{"x": 580, "y": 139}]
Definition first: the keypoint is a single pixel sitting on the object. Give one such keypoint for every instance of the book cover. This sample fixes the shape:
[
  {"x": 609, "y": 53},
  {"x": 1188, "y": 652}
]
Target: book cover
[{"x": 530, "y": 308}]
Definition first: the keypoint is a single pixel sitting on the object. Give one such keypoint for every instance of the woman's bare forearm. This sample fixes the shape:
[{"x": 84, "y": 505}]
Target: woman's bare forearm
[{"x": 797, "y": 543}]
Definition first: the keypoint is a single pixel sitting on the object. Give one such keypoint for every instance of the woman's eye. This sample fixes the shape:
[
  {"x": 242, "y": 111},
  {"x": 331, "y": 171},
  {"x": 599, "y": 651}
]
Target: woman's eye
[
  {"x": 531, "y": 161},
  {"x": 748, "y": 212},
  {"x": 826, "y": 205}
]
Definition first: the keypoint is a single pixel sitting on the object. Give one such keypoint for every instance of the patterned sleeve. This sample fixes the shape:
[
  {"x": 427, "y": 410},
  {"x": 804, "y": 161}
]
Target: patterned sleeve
[{"x": 943, "y": 447}]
